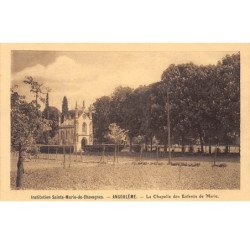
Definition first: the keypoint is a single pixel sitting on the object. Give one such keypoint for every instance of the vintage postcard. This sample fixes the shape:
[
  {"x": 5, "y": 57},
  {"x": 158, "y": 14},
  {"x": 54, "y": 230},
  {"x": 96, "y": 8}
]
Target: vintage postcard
[{"x": 134, "y": 122}]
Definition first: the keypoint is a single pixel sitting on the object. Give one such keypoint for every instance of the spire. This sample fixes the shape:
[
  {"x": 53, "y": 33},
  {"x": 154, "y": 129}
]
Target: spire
[
  {"x": 83, "y": 106},
  {"x": 76, "y": 111},
  {"x": 90, "y": 111}
]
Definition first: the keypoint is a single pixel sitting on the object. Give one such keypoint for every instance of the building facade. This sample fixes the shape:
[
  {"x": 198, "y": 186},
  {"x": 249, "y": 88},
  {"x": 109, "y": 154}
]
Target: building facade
[{"x": 76, "y": 128}]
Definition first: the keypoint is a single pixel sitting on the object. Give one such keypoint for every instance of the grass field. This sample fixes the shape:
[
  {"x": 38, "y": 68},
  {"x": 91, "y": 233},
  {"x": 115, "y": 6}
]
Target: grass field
[{"x": 88, "y": 174}]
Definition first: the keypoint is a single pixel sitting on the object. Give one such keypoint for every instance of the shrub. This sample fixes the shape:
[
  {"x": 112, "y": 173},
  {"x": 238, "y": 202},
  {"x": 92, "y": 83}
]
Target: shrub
[
  {"x": 33, "y": 151},
  {"x": 136, "y": 148},
  {"x": 191, "y": 149}
]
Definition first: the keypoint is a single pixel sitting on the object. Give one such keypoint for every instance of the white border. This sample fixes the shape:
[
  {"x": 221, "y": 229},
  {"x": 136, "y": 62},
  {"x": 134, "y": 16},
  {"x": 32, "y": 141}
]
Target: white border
[{"x": 124, "y": 225}]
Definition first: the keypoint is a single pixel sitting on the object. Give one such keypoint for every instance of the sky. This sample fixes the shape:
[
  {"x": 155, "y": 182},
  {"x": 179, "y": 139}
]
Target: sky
[{"x": 85, "y": 76}]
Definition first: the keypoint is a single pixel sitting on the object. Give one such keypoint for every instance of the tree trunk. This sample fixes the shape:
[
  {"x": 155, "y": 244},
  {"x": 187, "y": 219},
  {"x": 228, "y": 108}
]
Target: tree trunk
[
  {"x": 226, "y": 148},
  {"x": 182, "y": 145},
  {"x": 202, "y": 144},
  {"x": 146, "y": 144},
  {"x": 210, "y": 149},
  {"x": 20, "y": 169},
  {"x": 215, "y": 155},
  {"x": 165, "y": 148},
  {"x": 151, "y": 143},
  {"x": 130, "y": 144},
  {"x": 115, "y": 154}
]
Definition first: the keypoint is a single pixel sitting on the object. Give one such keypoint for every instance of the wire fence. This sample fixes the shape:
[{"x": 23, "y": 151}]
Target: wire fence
[{"x": 65, "y": 155}]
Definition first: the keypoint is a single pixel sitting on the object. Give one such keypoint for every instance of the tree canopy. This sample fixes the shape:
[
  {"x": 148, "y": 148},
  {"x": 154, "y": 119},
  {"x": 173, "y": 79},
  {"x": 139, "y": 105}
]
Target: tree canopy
[
  {"x": 204, "y": 104},
  {"x": 27, "y": 124}
]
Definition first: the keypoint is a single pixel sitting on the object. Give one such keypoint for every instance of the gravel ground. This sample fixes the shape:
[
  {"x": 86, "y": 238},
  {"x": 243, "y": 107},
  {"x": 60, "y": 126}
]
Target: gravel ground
[{"x": 128, "y": 174}]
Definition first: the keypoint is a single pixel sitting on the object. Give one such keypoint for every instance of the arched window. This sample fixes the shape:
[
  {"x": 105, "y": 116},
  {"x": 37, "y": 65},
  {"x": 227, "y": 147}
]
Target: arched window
[{"x": 84, "y": 128}]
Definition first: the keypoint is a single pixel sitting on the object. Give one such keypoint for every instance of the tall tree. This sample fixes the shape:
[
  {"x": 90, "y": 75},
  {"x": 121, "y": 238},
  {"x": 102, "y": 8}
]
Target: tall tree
[
  {"x": 52, "y": 114},
  {"x": 47, "y": 101},
  {"x": 228, "y": 98},
  {"x": 65, "y": 108},
  {"x": 121, "y": 108},
  {"x": 101, "y": 118},
  {"x": 27, "y": 124}
]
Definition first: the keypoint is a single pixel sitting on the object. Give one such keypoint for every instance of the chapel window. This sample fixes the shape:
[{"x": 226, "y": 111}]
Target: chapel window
[{"x": 84, "y": 128}]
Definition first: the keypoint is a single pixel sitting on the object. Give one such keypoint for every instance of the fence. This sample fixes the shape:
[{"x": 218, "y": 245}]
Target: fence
[{"x": 64, "y": 155}]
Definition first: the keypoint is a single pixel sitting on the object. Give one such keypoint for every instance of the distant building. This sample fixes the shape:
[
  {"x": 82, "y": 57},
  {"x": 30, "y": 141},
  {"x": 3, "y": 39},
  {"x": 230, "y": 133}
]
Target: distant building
[{"x": 77, "y": 128}]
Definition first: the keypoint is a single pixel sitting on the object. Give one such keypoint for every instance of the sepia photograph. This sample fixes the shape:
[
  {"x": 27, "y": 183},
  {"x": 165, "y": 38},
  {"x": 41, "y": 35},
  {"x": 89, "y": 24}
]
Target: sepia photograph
[
  {"x": 124, "y": 125},
  {"x": 125, "y": 120}
]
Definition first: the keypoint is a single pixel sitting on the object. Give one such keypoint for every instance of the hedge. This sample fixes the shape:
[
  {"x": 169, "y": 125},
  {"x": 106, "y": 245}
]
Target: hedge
[
  {"x": 99, "y": 148},
  {"x": 55, "y": 149}
]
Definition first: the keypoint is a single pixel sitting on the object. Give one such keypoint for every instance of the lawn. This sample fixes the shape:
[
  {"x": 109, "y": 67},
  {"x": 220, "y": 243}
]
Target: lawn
[{"x": 88, "y": 174}]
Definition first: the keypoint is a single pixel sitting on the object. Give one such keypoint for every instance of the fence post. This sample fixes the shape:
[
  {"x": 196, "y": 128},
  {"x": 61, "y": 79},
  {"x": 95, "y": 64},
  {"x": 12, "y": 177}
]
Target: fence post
[
  {"x": 141, "y": 153},
  {"x": 64, "y": 156},
  {"x": 179, "y": 172},
  {"x": 103, "y": 152},
  {"x": 215, "y": 154},
  {"x": 115, "y": 153},
  {"x": 69, "y": 155},
  {"x": 157, "y": 154},
  {"x": 117, "y": 156},
  {"x": 75, "y": 153}
]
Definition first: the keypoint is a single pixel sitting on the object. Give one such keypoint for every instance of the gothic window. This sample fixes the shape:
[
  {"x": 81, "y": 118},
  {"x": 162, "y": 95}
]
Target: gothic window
[{"x": 84, "y": 128}]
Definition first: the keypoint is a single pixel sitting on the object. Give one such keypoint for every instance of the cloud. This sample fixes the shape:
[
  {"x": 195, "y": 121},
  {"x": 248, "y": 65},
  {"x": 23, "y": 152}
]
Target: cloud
[
  {"x": 64, "y": 71},
  {"x": 77, "y": 81},
  {"x": 63, "y": 77}
]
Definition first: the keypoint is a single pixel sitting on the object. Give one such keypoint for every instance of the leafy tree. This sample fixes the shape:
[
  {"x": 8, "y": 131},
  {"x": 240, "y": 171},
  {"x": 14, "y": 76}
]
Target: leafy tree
[
  {"x": 228, "y": 98},
  {"x": 117, "y": 135},
  {"x": 122, "y": 109},
  {"x": 65, "y": 108},
  {"x": 180, "y": 80},
  {"x": 52, "y": 114},
  {"x": 101, "y": 119},
  {"x": 27, "y": 124},
  {"x": 37, "y": 88}
]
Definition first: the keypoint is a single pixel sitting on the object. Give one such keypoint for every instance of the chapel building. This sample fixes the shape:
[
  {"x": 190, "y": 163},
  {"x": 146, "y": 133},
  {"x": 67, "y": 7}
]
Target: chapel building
[{"x": 76, "y": 129}]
